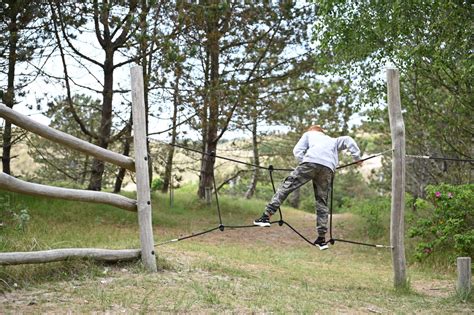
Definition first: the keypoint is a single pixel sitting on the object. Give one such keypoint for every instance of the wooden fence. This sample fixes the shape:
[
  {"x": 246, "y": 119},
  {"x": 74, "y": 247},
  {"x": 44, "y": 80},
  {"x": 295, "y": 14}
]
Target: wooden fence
[{"x": 139, "y": 165}]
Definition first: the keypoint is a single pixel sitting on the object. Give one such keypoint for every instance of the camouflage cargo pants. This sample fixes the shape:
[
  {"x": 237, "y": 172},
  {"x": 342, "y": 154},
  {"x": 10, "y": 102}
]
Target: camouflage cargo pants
[{"x": 321, "y": 177}]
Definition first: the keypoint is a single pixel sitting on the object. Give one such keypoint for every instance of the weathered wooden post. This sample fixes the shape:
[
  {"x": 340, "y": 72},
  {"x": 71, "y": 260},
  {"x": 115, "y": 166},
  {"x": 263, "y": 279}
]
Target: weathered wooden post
[
  {"x": 463, "y": 286},
  {"x": 397, "y": 128},
  {"x": 141, "y": 166}
]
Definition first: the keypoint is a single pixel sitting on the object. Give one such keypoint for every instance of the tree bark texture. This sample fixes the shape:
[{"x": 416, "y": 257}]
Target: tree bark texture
[
  {"x": 169, "y": 159},
  {"x": 105, "y": 121},
  {"x": 122, "y": 171},
  {"x": 44, "y": 256},
  {"x": 208, "y": 161},
  {"x": 12, "y": 184},
  {"x": 9, "y": 98}
]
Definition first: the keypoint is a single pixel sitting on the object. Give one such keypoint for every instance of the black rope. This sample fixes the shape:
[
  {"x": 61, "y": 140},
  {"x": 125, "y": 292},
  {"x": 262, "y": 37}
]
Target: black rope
[
  {"x": 364, "y": 159},
  {"x": 220, "y": 157},
  {"x": 247, "y": 226},
  {"x": 296, "y": 231},
  {"x": 439, "y": 158},
  {"x": 333, "y": 240},
  {"x": 188, "y": 236},
  {"x": 220, "y": 227},
  {"x": 259, "y": 166},
  {"x": 358, "y": 243},
  {"x": 281, "y": 221},
  {"x": 270, "y": 171}
]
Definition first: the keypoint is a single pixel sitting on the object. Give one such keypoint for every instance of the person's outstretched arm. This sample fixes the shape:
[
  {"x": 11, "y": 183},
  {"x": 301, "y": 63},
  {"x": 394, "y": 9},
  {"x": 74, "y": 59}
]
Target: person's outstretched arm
[
  {"x": 300, "y": 148},
  {"x": 346, "y": 142}
]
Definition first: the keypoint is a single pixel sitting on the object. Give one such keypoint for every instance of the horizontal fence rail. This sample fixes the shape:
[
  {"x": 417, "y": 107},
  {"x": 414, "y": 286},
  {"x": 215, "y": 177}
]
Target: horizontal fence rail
[
  {"x": 13, "y": 184},
  {"x": 139, "y": 165},
  {"x": 66, "y": 139},
  {"x": 44, "y": 256}
]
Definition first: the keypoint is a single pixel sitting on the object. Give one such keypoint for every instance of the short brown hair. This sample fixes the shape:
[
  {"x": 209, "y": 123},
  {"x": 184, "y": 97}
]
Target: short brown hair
[{"x": 316, "y": 128}]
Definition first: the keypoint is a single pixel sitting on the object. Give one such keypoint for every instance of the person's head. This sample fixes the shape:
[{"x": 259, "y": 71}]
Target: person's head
[{"x": 316, "y": 128}]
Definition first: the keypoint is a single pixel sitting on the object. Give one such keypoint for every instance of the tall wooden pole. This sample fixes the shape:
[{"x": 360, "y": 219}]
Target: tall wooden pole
[
  {"x": 141, "y": 166},
  {"x": 397, "y": 128}
]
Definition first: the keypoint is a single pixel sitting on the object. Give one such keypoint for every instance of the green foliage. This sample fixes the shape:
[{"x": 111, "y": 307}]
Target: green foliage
[
  {"x": 13, "y": 214},
  {"x": 375, "y": 213},
  {"x": 444, "y": 221},
  {"x": 156, "y": 184},
  {"x": 350, "y": 185},
  {"x": 431, "y": 45},
  {"x": 218, "y": 271},
  {"x": 313, "y": 102},
  {"x": 22, "y": 217}
]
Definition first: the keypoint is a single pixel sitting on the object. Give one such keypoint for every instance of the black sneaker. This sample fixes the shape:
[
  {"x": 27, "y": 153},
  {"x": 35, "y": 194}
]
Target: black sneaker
[
  {"x": 264, "y": 220},
  {"x": 321, "y": 243}
]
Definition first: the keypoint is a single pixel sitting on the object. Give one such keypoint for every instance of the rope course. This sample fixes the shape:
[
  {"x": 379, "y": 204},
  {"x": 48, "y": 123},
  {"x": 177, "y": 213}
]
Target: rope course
[
  {"x": 427, "y": 157},
  {"x": 280, "y": 222}
]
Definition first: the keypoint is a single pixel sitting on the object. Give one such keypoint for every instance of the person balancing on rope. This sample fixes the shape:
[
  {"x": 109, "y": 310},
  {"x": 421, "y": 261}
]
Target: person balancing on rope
[{"x": 317, "y": 154}]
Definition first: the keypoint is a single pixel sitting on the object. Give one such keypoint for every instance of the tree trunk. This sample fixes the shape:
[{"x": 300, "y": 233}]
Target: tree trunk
[
  {"x": 7, "y": 138},
  {"x": 106, "y": 121},
  {"x": 256, "y": 160},
  {"x": 169, "y": 160},
  {"x": 126, "y": 152},
  {"x": 207, "y": 166},
  {"x": 9, "y": 98},
  {"x": 85, "y": 170},
  {"x": 121, "y": 172}
]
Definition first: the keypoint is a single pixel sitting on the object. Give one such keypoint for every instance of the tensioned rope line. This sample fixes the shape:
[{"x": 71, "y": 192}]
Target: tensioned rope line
[
  {"x": 427, "y": 157},
  {"x": 259, "y": 166},
  {"x": 217, "y": 156},
  {"x": 333, "y": 240},
  {"x": 364, "y": 159},
  {"x": 280, "y": 222}
]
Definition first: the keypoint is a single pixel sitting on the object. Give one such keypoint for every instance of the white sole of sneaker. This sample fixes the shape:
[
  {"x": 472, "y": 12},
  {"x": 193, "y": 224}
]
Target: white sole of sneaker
[
  {"x": 323, "y": 247},
  {"x": 261, "y": 224}
]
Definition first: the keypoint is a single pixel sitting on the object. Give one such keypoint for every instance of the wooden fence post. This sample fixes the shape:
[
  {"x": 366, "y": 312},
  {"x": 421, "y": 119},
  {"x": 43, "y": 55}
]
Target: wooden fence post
[
  {"x": 141, "y": 166},
  {"x": 397, "y": 128},
  {"x": 463, "y": 286}
]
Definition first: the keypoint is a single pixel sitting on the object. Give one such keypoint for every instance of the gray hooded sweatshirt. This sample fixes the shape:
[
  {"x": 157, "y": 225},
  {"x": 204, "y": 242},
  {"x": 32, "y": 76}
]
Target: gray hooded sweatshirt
[{"x": 316, "y": 147}]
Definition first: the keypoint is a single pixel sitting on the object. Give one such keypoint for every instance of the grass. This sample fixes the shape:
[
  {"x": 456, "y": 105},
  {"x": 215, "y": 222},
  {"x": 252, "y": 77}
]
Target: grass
[{"x": 242, "y": 271}]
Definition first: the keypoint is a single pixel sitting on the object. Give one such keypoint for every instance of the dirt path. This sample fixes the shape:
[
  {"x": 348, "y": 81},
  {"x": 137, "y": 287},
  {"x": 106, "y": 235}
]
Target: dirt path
[
  {"x": 199, "y": 279},
  {"x": 276, "y": 235}
]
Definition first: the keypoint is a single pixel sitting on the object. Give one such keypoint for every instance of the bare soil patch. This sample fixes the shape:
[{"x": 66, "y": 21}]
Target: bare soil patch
[{"x": 275, "y": 235}]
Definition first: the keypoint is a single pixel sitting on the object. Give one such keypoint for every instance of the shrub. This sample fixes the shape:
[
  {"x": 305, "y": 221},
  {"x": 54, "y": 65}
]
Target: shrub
[
  {"x": 13, "y": 213},
  {"x": 444, "y": 222},
  {"x": 156, "y": 184},
  {"x": 375, "y": 212},
  {"x": 22, "y": 218}
]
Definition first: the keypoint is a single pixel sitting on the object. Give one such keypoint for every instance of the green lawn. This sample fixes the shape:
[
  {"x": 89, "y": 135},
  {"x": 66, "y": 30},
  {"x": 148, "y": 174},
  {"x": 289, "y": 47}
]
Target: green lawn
[{"x": 259, "y": 270}]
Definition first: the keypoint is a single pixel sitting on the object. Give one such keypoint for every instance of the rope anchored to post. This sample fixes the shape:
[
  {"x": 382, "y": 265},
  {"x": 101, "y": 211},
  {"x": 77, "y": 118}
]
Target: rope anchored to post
[
  {"x": 440, "y": 158},
  {"x": 280, "y": 222}
]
